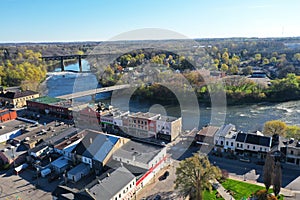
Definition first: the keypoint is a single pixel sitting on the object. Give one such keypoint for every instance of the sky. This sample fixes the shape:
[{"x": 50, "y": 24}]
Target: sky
[{"x": 100, "y": 20}]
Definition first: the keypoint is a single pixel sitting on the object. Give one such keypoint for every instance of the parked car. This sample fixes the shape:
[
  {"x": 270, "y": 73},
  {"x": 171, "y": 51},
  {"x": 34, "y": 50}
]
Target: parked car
[
  {"x": 245, "y": 159},
  {"x": 164, "y": 176}
]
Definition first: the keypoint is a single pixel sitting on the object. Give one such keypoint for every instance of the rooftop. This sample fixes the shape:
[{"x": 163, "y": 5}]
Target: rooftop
[
  {"x": 146, "y": 115},
  {"x": 208, "y": 131},
  {"x": 106, "y": 190},
  {"x": 258, "y": 140},
  {"x": 78, "y": 168},
  {"x": 140, "y": 152},
  {"x": 60, "y": 162},
  {"x": 47, "y": 100},
  {"x": 96, "y": 145},
  {"x": 225, "y": 129},
  {"x": 19, "y": 94},
  {"x": 12, "y": 125}
]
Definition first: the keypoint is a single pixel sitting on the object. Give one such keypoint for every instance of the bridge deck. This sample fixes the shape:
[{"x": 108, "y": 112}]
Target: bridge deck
[{"x": 93, "y": 91}]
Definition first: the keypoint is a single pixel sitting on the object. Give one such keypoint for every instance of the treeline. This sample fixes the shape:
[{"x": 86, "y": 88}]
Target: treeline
[{"x": 24, "y": 68}]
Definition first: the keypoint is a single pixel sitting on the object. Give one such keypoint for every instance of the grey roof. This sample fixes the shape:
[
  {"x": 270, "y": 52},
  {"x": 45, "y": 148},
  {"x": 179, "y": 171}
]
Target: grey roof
[
  {"x": 258, "y": 140},
  {"x": 60, "y": 162},
  {"x": 225, "y": 129},
  {"x": 112, "y": 184},
  {"x": 140, "y": 152},
  {"x": 241, "y": 137},
  {"x": 78, "y": 169},
  {"x": 96, "y": 145}
]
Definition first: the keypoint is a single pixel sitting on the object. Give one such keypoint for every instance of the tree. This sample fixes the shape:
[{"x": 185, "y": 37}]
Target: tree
[
  {"x": 277, "y": 179},
  {"x": 224, "y": 67},
  {"x": 257, "y": 57},
  {"x": 275, "y": 127},
  {"x": 194, "y": 175},
  {"x": 268, "y": 171},
  {"x": 293, "y": 132},
  {"x": 247, "y": 70}
]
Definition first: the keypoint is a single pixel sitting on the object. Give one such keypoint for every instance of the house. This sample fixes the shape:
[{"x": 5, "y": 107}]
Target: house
[
  {"x": 78, "y": 172},
  {"x": 60, "y": 165},
  {"x": 230, "y": 138},
  {"x": 7, "y": 115},
  {"x": 293, "y": 152},
  {"x": 253, "y": 144},
  {"x": 220, "y": 136},
  {"x": 117, "y": 185},
  {"x": 96, "y": 148},
  {"x": 66, "y": 147},
  {"x": 205, "y": 138},
  {"x": 17, "y": 99},
  {"x": 150, "y": 157}
]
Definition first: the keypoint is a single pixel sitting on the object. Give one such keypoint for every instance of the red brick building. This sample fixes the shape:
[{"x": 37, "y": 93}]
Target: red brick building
[{"x": 6, "y": 115}]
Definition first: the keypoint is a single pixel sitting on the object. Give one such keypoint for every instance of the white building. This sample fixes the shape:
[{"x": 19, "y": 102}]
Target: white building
[{"x": 220, "y": 137}]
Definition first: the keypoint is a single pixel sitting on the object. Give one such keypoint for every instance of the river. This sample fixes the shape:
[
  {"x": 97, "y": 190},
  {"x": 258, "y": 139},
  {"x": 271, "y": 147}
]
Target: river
[{"x": 245, "y": 117}]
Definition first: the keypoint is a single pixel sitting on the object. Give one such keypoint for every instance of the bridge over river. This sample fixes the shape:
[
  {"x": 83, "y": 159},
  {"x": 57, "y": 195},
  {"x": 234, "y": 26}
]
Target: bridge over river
[{"x": 93, "y": 91}]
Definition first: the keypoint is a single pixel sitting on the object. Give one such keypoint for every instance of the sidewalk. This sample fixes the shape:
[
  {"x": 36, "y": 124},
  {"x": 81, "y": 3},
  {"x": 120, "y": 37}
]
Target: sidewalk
[
  {"x": 221, "y": 190},
  {"x": 285, "y": 192}
]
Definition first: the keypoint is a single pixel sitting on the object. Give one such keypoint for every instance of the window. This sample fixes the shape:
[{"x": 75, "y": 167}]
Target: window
[
  {"x": 226, "y": 143},
  {"x": 237, "y": 144},
  {"x": 221, "y": 142},
  {"x": 232, "y": 144},
  {"x": 260, "y": 149},
  {"x": 292, "y": 152},
  {"x": 247, "y": 146},
  {"x": 253, "y": 147},
  {"x": 119, "y": 195},
  {"x": 216, "y": 141},
  {"x": 241, "y": 145}
]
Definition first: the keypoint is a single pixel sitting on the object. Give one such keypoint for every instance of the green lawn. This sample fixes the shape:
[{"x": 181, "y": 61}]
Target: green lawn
[
  {"x": 210, "y": 195},
  {"x": 242, "y": 189}
]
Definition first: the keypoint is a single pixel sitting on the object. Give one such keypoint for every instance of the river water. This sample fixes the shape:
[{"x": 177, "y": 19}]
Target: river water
[{"x": 245, "y": 117}]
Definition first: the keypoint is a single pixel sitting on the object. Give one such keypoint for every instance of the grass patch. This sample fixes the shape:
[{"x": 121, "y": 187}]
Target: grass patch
[
  {"x": 211, "y": 195},
  {"x": 243, "y": 189}
]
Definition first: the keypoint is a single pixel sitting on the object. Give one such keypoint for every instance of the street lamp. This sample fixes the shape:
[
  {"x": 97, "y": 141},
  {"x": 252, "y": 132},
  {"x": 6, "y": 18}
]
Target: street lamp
[{"x": 245, "y": 174}]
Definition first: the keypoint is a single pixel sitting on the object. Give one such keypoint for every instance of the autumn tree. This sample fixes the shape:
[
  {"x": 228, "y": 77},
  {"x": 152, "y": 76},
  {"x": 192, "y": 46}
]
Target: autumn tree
[
  {"x": 224, "y": 67},
  {"x": 268, "y": 171},
  {"x": 275, "y": 127},
  {"x": 194, "y": 175},
  {"x": 277, "y": 178}
]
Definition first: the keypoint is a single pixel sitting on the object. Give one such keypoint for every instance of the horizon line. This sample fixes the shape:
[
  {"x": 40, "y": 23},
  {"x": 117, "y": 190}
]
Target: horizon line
[{"x": 165, "y": 39}]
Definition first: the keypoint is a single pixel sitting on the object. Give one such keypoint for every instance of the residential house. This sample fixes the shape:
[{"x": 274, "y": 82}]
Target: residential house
[
  {"x": 253, "y": 144},
  {"x": 220, "y": 136},
  {"x": 293, "y": 152},
  {"x": 96, "y": 148},
  {"x": 205, "y": 138},
  {"x": 17, "y": 99},
  {"x": 78, "y": 172},
  {"x": 7, "y": 115},
  {"x": 150, "y": 157}
]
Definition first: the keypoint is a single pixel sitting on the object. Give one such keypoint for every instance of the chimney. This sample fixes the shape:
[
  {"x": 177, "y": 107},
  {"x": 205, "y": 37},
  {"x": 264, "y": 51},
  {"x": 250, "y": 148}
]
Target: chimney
[{"x": 91, "y": 140}]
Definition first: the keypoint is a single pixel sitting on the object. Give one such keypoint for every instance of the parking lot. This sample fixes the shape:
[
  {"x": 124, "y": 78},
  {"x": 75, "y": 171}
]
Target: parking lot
[{"x": 23, "y": 186}]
